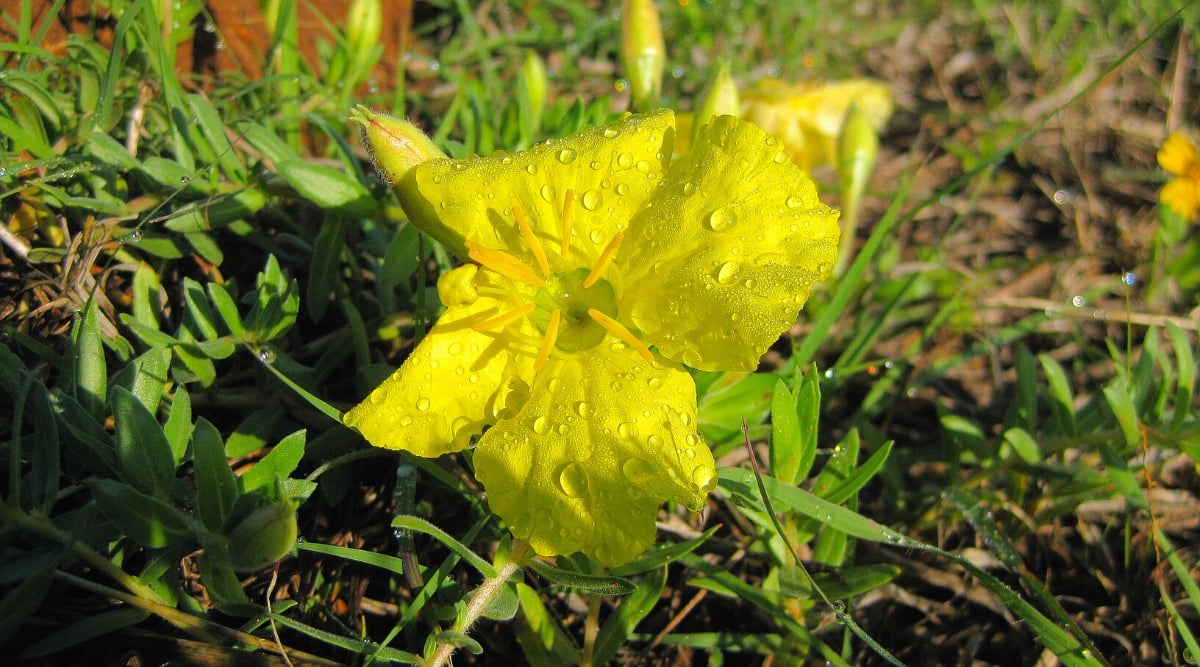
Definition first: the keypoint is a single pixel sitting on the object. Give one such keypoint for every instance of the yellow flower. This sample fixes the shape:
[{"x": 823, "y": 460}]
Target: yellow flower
[
  {"x": 808, "y": 117},
  {"x": 1179, "y": 157},
  {"x": 596, "y": 271}
]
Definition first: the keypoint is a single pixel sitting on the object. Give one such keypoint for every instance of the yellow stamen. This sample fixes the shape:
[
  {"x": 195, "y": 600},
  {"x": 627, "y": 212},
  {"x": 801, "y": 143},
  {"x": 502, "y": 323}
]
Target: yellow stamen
[
  {"x": 604, "y": 261},
  {"x": 549, "y": 340},
  {"x": 567, "y": 222},
  {"x": 538, "y": 253},
  {"x": 504, "y": 319},
  {"x": 617, "y": 329},
  {"x": 504, "y": 264}
]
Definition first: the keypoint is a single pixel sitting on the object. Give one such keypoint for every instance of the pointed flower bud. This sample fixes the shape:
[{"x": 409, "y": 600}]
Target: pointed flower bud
[
  {"x": 533, "y": 77},
  {"x": 396, "y": 145},
  {"x": 857, "y": 148},
  {"x": 721, "y": 99},
  {"x": 643, "y": 53}
]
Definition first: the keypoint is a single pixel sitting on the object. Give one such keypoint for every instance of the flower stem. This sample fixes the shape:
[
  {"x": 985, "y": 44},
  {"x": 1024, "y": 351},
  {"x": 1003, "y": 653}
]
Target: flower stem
[
  {"x": 483, "y": 597},
  {"x": 591, "y": 629}
]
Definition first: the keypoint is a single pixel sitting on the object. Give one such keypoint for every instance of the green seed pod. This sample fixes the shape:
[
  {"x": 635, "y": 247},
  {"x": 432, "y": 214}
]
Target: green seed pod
[{"x": 263, "y": 537}]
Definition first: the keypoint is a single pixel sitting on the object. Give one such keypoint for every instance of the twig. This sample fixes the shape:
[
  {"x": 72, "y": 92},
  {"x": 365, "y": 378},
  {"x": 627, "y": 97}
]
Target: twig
[{"x": 1101, "y": 314}]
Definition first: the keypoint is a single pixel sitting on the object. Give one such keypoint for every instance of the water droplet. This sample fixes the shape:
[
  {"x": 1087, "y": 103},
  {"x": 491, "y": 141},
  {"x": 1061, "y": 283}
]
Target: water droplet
[
  {"x": 590, "y": 200},
  {"x": 637, "y": 470},
  {"x": 266, "y": 356},
  {"x": 437, "y": 178},
  {"x": 541, "y": 426},
  {"x": 595, "y": 236},
  {"x": 406, "y": 420},
  {"x": 624, "y": 160},
  {"x": 654, "y": 441},
  {"x": 622, "y": 189},
  {"x": 423, "y": 404},
  {"x": 531, "y": 168},
  {"x": 794, "y": 202},
  {"x": 135, "y": 236},
  {"x": 654, "y": 382},
  {"x": 1129, "y": 278},
  {"x": 627, "y": 430},
  {"x": 547, "y": 193},
  {"x": 3, "y": 172},
  {"x": 781, "y": 157},
  {"x": 750, "y": 283},
  {"x": 720, "y": 219},
  {"x": 567, "y": 156},
  {"x": 690, "y": 189},
  {"x": 727, "y": 273},
  {"x": 643, "y": 166},
  {"x": 704, "y": 477},
  {"x": 1078, "y": 301},
  {"x": 473, "y": 378},
  {"x": 573, "y": 480},
  {"x": 583, "y": 409},
  {"x": 562, "y": 429},
  {"x": 184, "y": 180},
  {"x": 595, "y": 164},
  {"x": 611, "y": 133}
]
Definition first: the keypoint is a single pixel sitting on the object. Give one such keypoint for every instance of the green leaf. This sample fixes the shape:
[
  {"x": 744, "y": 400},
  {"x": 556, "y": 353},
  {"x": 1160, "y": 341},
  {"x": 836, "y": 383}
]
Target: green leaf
[
  {"x": 85, "y": 629},
  {"x": 278, "y": 463},
  {"x": 660, "y": 554},
  {"x": 145, "y": 519},
  {"x": 402, "y": 257},
  {"x": 143, "y": 454},
  {"x": 619, "y": 626},
  {"x": 146, "y": 376},
  {"x": 328, "y": 188},
  {"x": 227, "y": 308},
  {"x": 422, "y": 526},
  {"x": 1185, "y": 363},
  {"x": 504, "y": 606},
  {"x": 786, "y": 450},
  {"x": 323, "y": 272},
  {"x": 201, "y": 319},
  {"x": 88, "y": 377},
  {"x": 208, "y": 121},
  {"x": 383, "y": 561},
  {"x": 1024, "y": 445},
  {"x": 216, "y": 485},
  {"x": 735, "y": 396},
  {"x": 584, "y": 583},
  {"x": 178, "y": 428},
  {"x": 217, "y": 211},
  {"x": 221, "y": 580},
  {"x": 540, "y": 634},
  {"x": 22, "y": 601},
  {"x": 1120, "y": 401},
  {"x": 1062, "y": 402}
]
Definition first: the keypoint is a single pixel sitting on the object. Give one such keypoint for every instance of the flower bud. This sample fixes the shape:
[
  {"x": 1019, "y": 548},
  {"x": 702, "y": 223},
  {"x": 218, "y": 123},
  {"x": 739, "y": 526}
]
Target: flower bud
[
  {"x": 395, "y": 145},
  {"x": 364, "y": 24},
  {"x": 533, "y": 77},
  {"x": 857, "y": 148},
  {"x": 266, "y": 535},
  {"x": 643, "y": 53},
  {"x": 721, "y": 99}
]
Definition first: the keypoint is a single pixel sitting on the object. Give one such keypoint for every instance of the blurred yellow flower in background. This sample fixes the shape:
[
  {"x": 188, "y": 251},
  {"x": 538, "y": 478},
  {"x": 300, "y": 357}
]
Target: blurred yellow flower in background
[
  {"x": 808, "y": 117},
  {"x": 1178, "y": 156}
]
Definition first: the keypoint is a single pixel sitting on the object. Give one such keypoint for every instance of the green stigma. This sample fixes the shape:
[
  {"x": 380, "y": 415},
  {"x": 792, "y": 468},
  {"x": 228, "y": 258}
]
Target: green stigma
[{"x": 565, "y": 292}]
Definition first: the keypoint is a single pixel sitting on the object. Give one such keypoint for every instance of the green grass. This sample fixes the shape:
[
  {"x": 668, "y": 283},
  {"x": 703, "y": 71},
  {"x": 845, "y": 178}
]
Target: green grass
[{"x": 980, "y": 441}]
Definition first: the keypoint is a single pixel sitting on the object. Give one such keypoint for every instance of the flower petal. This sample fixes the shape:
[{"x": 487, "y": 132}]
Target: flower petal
[
  {"x": 605, "y": 439},
  {"x": 455, "y": 382},
  {"x": 611, "y": 171},
  {"x": 725, "y": 255},
  {"x": 1177, "y": 155},
  {"x": 1182, "y": 195}
]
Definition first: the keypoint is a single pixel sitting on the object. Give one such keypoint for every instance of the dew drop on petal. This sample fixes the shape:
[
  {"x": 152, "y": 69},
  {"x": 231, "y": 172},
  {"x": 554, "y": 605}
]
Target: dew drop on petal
[
  {"x": 573, "y": 480},
  {"x": 622, "y": 189},
  {"x": 781, "y": 157},
  {"x": 727, "y": 273},
  {"x": 704, "y": 477},
  {"x": 406, "y": 420},
  {"x": 541, "y": 426},
  {"x": 531, "y": 168},
  {"x": 637, "y": 470},
  {"x": 654, "y": 441},
  {"x": 690, "y": 189},
  {"x": 643, "y": 166},
  {"x": 627, "y": 430},
  {"x": 567, "y": 156},
  {"x": 654, "y": 382},
  {"x": 794, "y": 202},
  {"x": 595, "y": 164},
  {"x": 583, "y": 409},
  {"x": 423, "y": 404},
  {"x": 624, "y": 160},
  {"x": 595, "y": 236},
  {"x": 547, "y": 193},
  {"x": 720, "y": 219},
  {"x": 590, "y": 200},
  {"x": 611, "y": 133}
]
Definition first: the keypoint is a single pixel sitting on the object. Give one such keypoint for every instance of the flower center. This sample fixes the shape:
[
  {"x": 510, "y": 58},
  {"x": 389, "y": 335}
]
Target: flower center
[
  {"x": 573, "y": 310},
  {"x": 566, "y": 293}
]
